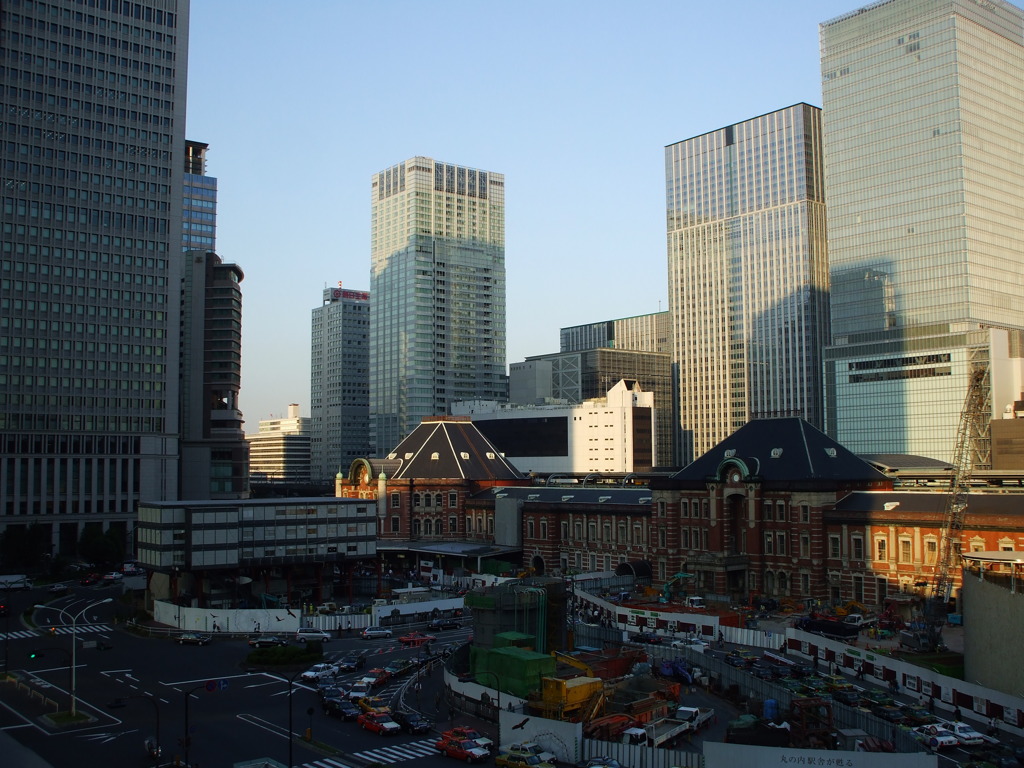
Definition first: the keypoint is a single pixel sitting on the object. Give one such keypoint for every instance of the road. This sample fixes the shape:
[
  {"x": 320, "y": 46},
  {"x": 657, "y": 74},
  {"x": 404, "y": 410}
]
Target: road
[{"x": 141, "y": 684}]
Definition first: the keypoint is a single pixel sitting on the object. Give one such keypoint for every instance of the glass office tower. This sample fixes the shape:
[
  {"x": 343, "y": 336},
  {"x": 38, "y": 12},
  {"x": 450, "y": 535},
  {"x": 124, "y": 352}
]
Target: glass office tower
[
  {"x": 339, "y": 382},
  {"x": 93, "y": 104},
  {"x": 923, "y": 106},
  {"x": 437, "y": 277},
  {"x": 748, "y": 274}
]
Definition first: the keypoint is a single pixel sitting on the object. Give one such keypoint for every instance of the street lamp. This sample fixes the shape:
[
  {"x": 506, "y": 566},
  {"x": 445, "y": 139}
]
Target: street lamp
[
  {"x": 497, "y": 690},
  {"x": 291, "y": 687},
  {"x": 188, "y": 737},
  {"x": 74, "y": 643}
]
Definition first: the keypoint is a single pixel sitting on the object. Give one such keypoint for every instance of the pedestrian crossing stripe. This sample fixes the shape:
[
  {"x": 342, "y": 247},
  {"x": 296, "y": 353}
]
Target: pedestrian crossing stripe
[
  {"x": 399, "y": 752},
  {"x": 325, "y": 763},
  {"x": 23, "y": 633}
]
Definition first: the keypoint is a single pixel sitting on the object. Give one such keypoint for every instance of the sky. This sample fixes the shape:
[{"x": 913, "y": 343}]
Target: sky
[{"x": 574, "y": 102}]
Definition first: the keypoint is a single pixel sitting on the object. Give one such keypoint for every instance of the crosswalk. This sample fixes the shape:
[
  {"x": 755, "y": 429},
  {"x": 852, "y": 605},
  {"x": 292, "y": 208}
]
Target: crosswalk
[
  {"x": 399, "y": 752},
  {"x": 327, "y": 762},
  {"x": 82, "y": 629}
]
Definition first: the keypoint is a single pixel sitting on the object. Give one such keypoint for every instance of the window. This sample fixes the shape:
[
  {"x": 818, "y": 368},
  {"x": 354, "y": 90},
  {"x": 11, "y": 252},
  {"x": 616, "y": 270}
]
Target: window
[
  {"x": 544, "y": 529},
  {"x": 529, "y": 529},
  {"x": 490, "y": 526},
  {"x": 396, "y": 500},
  {"x": 931, "y": 552},
  {"x": 769, "y": 541},
  {"x": 438, "y": 500},
  {"x": 415, "y": 527},
  {"x": 766, "y": 510},
  {"x": 805, "y": 513},
  {"x": 591, "y": 531},
  {"x": 805, "y": 583},
  {"x": 704, "y": 509},
  {"x": 565, "y": 531},
  {"x": 452, "y": 525},
  {"x": 661, "y": 509},
  {"x": 857, "y": 545},
  {"x": 780, "y": 543},
  {"x": 881, "y": 549},
  {"x": 606, "y": 532},
  {"x": 684, "y": 538},
  {"x": 858, "y": 588},
  {"x": 428, "y": 527},
  {"x": 396, "y": 524},
  {"x": 905, "y": 550},
  {"x": 578, "y": 531},
  {"x": 662, "y": 537},
  {"x": 805, "y": 545},
  {"x": 684, "y": 508},
  {"x": 417, "y": 500},
  {"x": 833, "y": 547},
  {"x": 453, "y": 500},
  {"x": 780, "y": 511}
]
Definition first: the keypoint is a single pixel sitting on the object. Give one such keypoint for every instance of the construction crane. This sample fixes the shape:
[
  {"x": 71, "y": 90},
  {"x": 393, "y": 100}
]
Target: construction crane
[{"x": 974, "y": 419}]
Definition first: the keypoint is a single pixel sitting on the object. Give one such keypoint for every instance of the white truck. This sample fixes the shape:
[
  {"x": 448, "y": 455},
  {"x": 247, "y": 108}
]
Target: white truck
[
  {"x": 695, "y": 717},
  {"x": 15, "y": 581},
  {"x": 860, "y": 620}
]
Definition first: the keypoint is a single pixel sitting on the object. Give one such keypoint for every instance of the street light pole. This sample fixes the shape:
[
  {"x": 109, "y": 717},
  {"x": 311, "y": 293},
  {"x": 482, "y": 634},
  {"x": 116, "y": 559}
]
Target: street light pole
[
  {"x": 74, "y": 645},
  {"x": 188, "y": 736},
  {"x": 497, "y": 690},
  {"x": 291, "y": 730}
]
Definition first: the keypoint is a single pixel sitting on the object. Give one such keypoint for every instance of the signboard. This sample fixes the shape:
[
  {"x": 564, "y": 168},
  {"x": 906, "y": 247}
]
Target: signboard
[{"x": 722, "y": 755}]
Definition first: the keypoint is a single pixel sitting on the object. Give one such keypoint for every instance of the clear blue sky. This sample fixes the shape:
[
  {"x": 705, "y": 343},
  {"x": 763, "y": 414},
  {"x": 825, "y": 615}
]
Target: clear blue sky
[{"x": 573, "y": 101}]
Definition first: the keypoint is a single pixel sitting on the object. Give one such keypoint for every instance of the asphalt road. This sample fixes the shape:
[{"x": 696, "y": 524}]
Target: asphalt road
[{"x": 142, "y": 684}]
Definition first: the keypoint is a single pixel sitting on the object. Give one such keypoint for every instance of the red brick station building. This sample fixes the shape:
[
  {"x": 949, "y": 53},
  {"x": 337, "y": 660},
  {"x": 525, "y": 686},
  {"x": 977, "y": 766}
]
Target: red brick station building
[{"x": 777, "y": 509}]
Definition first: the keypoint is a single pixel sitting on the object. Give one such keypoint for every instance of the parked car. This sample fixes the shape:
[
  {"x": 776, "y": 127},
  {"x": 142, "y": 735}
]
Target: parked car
[
  {"x": 416, "y": 639},
  {"x": 352, "y": 662},
  {"x": 343, "y": 709},
  {"x": 935, "y": 736},
  {"x": 521, "y": 760},
  {"x": 372, "y": 633},
  {"x": 267, "y": 641},
  {"x": 378, "y": 722},
  {"x": 647, "y": 637},
  {"x": 964, "y": 733},
  {"x": 318, "y": 671},
  {"x": 113, "y": 576},
  {"x": 358, "y": 690},
  {"x": 464, "y": 749},
  {"x": 462, "y": 732},
  {"x": 377, "y": 677},
  {"x": 889, "y": 713},
  {"x": 740, "y": 657},
  {"x": 918, "y": 715},
  {"x": 412, "y": 722},
  {"x": 532, "y": 748},
  {"x": 444, "y": 623},
  {"x": 89, "y": 579},
  {"x": 372, "y": 704},
  {"x": 193, "y": 638},
  {"x": 849, "y": 696},
  {"x": 308, "y": 633}
]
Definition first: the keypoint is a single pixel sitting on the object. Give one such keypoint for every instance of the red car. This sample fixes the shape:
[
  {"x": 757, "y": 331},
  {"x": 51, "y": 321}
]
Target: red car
[
  {"x": 415, "y": 639},
  {"x": 377, "y": 677},
  {"x": 466, "y": 749},
  {"x": 378, "y": 722}
]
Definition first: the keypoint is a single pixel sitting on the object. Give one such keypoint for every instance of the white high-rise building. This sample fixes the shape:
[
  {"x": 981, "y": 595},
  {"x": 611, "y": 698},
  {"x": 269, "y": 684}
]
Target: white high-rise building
[
  {"x": 923, "y": 104},
  {"x": 437, "y": 277}
]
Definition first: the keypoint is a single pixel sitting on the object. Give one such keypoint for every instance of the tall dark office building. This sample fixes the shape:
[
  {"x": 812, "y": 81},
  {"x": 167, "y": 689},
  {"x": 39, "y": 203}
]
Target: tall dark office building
[
  {"x": 93, "y": 103},
  {"x": 437, "y": 277},
  {"x": 339, "y": 382}
]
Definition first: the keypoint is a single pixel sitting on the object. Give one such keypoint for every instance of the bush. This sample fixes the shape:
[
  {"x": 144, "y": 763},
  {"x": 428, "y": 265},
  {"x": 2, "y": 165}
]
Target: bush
[{"x": 283, "y": 655}]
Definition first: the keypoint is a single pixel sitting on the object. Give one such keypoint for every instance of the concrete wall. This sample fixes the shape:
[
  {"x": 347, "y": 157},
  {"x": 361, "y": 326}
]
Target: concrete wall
[{"x": 993, "y": 628}]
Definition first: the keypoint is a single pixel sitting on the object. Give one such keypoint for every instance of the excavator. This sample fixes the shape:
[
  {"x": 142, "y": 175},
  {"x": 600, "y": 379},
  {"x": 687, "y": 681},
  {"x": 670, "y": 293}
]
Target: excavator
[{"x": 674, "y": 586}]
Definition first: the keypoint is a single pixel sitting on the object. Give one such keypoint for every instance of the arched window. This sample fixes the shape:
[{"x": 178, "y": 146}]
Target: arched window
[
  {"x": 428, "y": 527},
  {"x": 438, "y": 500},
  {"x": 415, "y": 527},
  {"x": 416, "y": 500}
]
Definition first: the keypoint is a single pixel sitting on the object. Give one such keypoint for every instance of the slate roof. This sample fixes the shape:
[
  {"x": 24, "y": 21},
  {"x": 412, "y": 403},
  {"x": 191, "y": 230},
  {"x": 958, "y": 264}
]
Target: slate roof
[
  {"x": 780, "y": 452},
  {"x": 449, "y": 447},
  {"x": 895, "y": 462},
  {"x": 926, "y": 504}
]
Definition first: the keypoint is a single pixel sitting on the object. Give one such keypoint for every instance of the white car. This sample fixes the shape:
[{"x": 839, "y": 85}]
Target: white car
[
  {"x": 964, "y": 733},
  {"x": 935, "y": 736},
  {"x": 319, "y": 671}
]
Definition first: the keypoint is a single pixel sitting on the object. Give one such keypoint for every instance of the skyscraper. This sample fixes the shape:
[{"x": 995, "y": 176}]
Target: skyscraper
[
  {"x": 437, "y": 278},
  {"x": 94, "y": 116},
  {"x": 923, "y": 103},
  {"x": 748, "y": 274},
  {"x": 339, "y": 382},
  {"x": 199, "y": 217}
]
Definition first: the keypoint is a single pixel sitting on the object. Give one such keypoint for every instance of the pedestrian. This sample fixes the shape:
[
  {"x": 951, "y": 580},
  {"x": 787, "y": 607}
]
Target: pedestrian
[
  {"x": 956, "y": 714},
  {"x": 993, "y": 727},
  {"x": 348, "y": 628},
  {"x": 931, "y": 704},
  {"x": 815, "y": 663}
]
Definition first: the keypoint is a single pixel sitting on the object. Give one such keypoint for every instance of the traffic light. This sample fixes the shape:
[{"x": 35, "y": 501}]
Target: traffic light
[{"x": 34, "y": 654}]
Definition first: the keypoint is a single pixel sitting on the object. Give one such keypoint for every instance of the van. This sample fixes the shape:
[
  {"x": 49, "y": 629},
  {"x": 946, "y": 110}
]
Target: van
[{"x": 309, "y": 633}]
